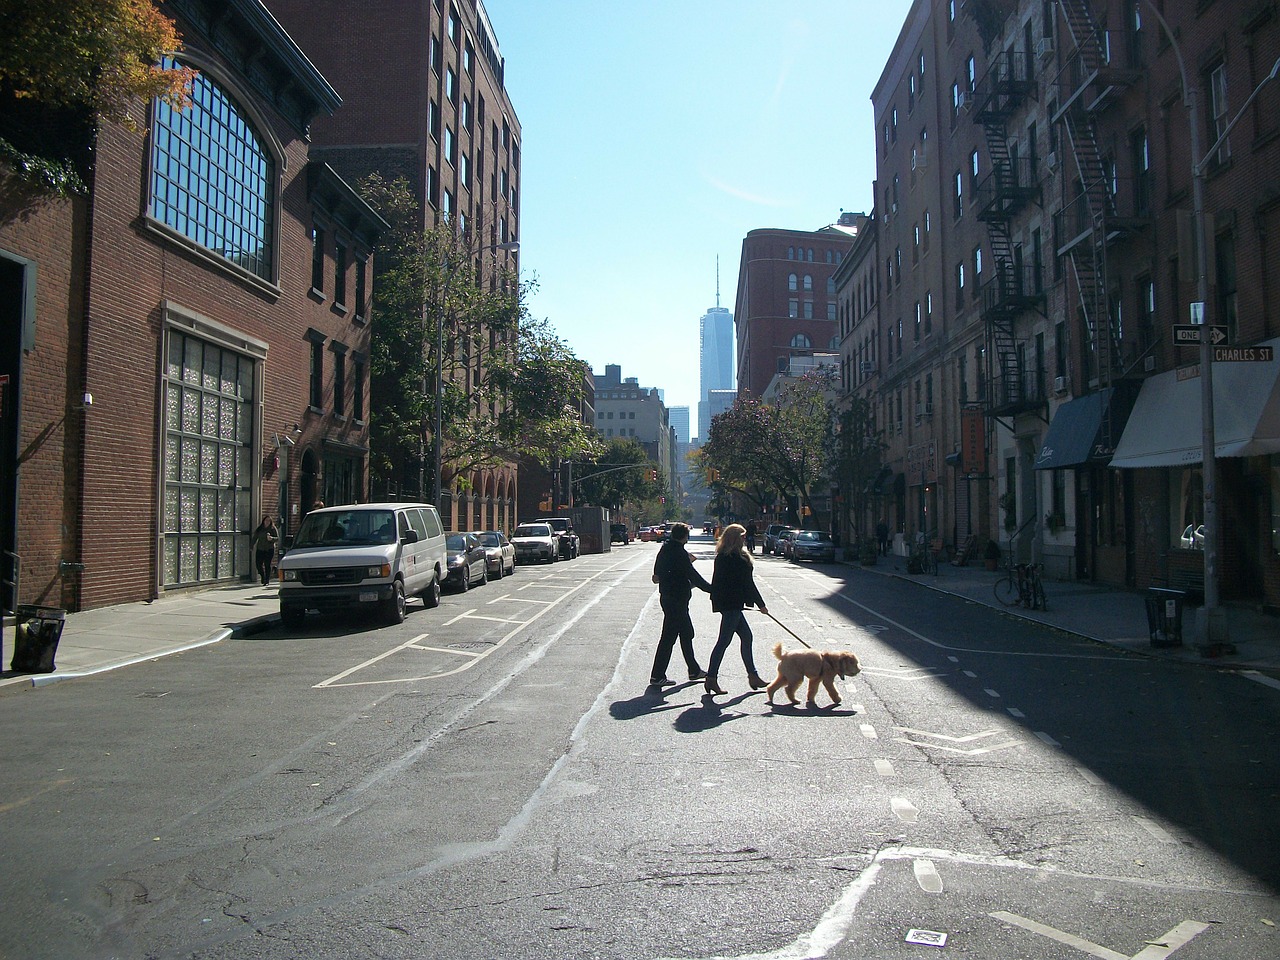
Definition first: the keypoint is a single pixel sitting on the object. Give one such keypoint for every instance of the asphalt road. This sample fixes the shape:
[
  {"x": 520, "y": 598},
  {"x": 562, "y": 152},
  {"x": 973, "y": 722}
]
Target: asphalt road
[{"x": 493, "y": 780}]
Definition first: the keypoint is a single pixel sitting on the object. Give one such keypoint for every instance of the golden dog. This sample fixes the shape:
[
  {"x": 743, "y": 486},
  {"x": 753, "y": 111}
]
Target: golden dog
[{"x": 819, "y": 666}]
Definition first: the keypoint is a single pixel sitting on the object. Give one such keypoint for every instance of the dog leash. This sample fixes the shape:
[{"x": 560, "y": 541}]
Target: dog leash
[{"x": 786, "y": 628}]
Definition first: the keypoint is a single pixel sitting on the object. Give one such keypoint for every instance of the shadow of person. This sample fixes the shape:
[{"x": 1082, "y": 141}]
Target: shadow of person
[
  {"x": 651, "y": 701},
  {"x": 809, "y": 710},
  {"x": 710, "y": 714}
]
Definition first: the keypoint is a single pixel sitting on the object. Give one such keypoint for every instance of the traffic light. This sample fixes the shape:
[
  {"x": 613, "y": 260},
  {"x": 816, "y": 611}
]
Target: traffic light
[
  {"x": 652, "y": 476},
  {"x": 713, "y": 475}
]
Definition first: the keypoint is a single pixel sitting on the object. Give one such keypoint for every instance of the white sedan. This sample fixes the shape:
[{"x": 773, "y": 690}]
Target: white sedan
[{"x": 500, "y": 553}]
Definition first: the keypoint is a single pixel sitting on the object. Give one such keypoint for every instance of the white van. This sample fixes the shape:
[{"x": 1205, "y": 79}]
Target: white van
[{"x": 373, "y": 554}]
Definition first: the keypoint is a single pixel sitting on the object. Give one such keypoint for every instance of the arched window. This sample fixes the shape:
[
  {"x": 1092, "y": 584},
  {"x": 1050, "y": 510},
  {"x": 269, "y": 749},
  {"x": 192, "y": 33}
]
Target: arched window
[
  {"x": 835, "y": 343},
  {"x": 831, "y": 286},
  {"x": 792, "y": 281},
  {"x": 808, "y": 282},
  {"x": 791, "y": 253},
  {"x": 809, "y": 255},
  {"x": 212, "y": 178},
  {"x": 800, "y": 342}
]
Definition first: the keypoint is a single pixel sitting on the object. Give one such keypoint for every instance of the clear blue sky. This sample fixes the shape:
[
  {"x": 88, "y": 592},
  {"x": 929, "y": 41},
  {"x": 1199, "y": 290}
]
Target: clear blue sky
[{"x": 656, "y": 134}]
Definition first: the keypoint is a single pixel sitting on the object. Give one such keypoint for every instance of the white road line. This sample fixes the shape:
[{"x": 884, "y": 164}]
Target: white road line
[
  {"x": 527, "y": 600},
  {"x": 868, "y": 731},
  {"x": 970, "y": 674},
  {"x": 904, "y": 809},
  {"x": 991, "y": 693},
  {"x": 1047, "y": 739},
  {"x": 481, "y": 616},
  {"x": 373, "y": 660},
  {"x": 1015, "y": 712},
  {"x": 460, "y": 653},
  {"x": 884, "y": 768},
  {"x": 1070, "y": 939},
  {"x": 1157, "y": 831},
  {"x": 927, "y": 876},
  {"x": 461, "y": 616},
  {"x": 1261, "y": 678},
  {"x": 1182, "y": 934},
  {"x": 954, "y": 659}
]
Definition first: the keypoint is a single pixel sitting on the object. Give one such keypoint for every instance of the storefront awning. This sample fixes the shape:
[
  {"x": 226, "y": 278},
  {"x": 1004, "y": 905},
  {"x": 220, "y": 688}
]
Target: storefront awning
[
  {"x": 1075, "y": 436},
  {"x": 1164, "y": 429}
]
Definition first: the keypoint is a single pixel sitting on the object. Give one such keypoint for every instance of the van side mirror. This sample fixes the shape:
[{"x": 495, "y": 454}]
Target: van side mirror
[{"x": 409, "y": 536}]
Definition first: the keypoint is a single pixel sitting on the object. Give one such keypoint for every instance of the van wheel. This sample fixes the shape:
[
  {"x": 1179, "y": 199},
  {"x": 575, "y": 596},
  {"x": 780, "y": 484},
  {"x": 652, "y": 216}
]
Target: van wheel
[
  {"x": 431, "y": 595},
  {"x": 393, "y": 611}
]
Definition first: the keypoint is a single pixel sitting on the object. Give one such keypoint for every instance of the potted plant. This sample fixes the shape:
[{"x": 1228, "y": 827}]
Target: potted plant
[
  {"x": 1054, "y": 521},
  {"x": 991, "y": 555}
]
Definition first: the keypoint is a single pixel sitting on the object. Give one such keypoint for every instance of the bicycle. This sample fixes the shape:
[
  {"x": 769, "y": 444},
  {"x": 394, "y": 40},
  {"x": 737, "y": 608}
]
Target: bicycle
[
  {"x": 1023, "y": 585},
  {"x": 924, "y": 558}
]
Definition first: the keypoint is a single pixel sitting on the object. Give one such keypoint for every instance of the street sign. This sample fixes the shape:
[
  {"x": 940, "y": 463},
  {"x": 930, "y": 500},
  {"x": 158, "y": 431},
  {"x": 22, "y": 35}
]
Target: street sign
[
  {"x": 1186, "y": 334},
  {"x": 1243, "y": 354},
  {"x": 1197, "y": 312}
]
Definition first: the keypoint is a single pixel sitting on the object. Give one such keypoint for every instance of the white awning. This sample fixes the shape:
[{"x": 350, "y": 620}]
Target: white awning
[{"x": 1164, "y": 429}]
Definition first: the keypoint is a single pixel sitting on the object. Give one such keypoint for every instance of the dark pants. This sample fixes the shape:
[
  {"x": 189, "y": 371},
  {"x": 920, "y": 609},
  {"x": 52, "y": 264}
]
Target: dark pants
[
  {"x": 262, "y": 563},
  {"x": 731, "y": 622},
  {"x": 675, "y": 622}
]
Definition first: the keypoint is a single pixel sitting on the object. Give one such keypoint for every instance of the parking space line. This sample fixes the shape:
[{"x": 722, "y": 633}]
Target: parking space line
[
  {"x": 461, "y": 653},
  {"x": 481, "y": 616},
  {"x": 461, "y": 616}
]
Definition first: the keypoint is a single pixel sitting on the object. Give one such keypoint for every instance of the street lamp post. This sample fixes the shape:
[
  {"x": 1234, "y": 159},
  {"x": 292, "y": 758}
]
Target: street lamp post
[
  {"x": 1213, "y": 628},
  {"x": 437, "y": 448}
]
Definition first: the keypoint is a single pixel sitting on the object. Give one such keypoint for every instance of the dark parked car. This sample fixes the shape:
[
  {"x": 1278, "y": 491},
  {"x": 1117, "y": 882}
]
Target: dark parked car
[
  {"x": 813, "y": 545},
  {"x": 468, "y": 563},
  {"x": 771, "y": 536},
  {"x": 618, "y": 533},
  {"x": 782, "y": 541}
]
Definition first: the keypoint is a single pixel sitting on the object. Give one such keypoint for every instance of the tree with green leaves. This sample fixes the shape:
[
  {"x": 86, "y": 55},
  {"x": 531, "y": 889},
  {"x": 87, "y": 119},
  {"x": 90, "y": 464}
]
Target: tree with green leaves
[
  {"x": 855, "y": 451},
  {"x": 622, "y": 474},
  {"x": 780, "y": 448},
  {"x": 65, "y": 64},
  {"x": 509, "y": 386}
]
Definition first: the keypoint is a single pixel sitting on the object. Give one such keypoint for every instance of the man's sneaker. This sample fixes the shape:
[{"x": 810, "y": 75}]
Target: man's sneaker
[
  {"x": 696, "y": 675},
  {"x": 660, "y": 682}
]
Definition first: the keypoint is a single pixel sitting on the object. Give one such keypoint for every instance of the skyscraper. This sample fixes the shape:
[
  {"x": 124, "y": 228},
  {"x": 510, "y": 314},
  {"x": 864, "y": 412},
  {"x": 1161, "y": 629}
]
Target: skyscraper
[{"x": 715, "y": 353}]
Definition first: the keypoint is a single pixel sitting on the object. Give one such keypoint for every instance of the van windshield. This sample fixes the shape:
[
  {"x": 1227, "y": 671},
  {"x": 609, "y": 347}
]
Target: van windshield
[{"x": 335, "y": 528}]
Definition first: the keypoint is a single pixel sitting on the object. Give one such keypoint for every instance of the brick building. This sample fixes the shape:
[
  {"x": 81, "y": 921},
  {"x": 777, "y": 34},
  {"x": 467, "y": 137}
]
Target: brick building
[
  {"x": 426, "y": 100},
  {"x": 786, "y": 302},
  {"x": 185, "y": 344},
  {"x": 1034, "y": 196}
]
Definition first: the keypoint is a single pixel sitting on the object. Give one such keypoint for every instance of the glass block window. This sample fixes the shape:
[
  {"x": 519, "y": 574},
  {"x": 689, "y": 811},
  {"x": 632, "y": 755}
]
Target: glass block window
[
  {"x": 212, "y": 180},
  {"x": 208, "y": 468}
]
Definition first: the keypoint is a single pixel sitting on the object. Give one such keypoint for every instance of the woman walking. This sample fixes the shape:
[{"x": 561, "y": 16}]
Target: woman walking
[
  {"x": 733, "y": 587},
  {"x": 264, "y": 548}
]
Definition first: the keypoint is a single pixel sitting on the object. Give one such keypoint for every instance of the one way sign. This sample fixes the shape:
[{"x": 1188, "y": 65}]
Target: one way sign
[{"x": 1185, "y": 334}]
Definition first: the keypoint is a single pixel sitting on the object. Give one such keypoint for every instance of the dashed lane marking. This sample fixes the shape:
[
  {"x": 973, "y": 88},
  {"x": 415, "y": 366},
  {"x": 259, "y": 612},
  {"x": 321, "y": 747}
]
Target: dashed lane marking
[
  {"x": 1089, "y": 776},
  {"x": 1155, "y": 830},
  {"x": 1156, "y": 949},
  {"x": 904, "y": 809},
  {"x": 884, "y": 768},
  {"x": 868, "y": 731},
  {"x": 927, "y": 876},
  {"x": 1047, "y": 739}
]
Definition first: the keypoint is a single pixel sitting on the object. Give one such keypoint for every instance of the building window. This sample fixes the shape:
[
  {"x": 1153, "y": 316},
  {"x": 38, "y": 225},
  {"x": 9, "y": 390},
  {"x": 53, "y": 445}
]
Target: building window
[
  {"x": 808, "y": 282},
  {"x": 340, "y": 273},
  {"x": 317, "y": 260},
  {"x": 361, "y": 290},
  {"x": 928, "y": 314},
  {"x": 977, "y": 270},
  {"x": 209, "y": 401},
  {"x": 339, "y": 380},
  {"x": 212, "y": 179},
  {"x": 451, "y": 85},
  {"x": 437, "y": 57},
  {"x": 800, "y": 342},
  {"x": 450, "y": 146},
  {"x": 464, "y": 114},
  {"x": 808, "y": 309},
  {"x": 1218, "y": 117},
  {"x": 793, "y": 309},
  {"x": 793, "y": 282},
  {"x": 315, "y": 392},
  {"x": 831, "y": 310},
  {"x": 959, "y": 195},
  {"x": 919, "y": 323},
  {"x": 960, "y": 283},
  {"x": 1226, "y": 260},
  {"x": 357, "y": 386}
]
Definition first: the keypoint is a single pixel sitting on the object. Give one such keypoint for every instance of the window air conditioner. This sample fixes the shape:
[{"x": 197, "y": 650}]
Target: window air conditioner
[
  {"x": 1148, "y": 364},
  {"x": 867, "y": 366},
  {"x": 1044, "y": 48},
  {"x": 962, "y": 100},
  {"x": 1059, "y": 384},
  {"x": 1051, "y": 160},
  {"x": 928, "y": 409}
]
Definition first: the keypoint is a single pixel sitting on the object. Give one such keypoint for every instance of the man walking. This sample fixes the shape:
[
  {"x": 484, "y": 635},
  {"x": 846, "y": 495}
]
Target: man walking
[{"x": 674, "y": 574}]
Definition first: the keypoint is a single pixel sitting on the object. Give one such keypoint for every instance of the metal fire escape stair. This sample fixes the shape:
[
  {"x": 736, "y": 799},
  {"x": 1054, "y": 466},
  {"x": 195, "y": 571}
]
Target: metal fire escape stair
[{"x": 1088, "y": 226}]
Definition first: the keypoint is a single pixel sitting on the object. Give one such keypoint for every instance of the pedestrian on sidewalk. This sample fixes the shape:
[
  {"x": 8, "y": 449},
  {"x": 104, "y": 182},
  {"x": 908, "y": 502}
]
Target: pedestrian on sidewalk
[
  {"x": 675, "y": 576},
  {"x": 264, "y": 547},
  {"x": 733, "y": 587},
  {"x": 882, "y": 538}
]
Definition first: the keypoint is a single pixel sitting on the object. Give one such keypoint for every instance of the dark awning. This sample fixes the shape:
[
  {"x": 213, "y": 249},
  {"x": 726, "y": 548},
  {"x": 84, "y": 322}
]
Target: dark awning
[{"x": 1075, "y": 436}]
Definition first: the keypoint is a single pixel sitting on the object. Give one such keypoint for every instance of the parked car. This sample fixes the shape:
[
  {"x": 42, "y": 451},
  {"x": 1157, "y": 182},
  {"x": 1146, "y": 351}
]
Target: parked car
[
  {"x": 536, "y": 541},
  {"x": 500, "y": 553},
  {"x": 782, "y": 541},
  {"x": 813, "y": 545},
  {"x": 1193, "y": 537},
  {"x": 371, "y": 553},
  {"x": 468, "y": 562},
  {"x": 618, "y": 533},
  {"x": 563, "y": 526},
  {"x": 649, "y": 534},
  {"x": 771, "y": 536}
]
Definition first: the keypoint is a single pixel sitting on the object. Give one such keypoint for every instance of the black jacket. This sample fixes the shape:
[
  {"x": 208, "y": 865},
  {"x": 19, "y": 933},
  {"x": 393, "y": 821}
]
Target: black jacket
[
  {"x": 733, "y": 585},
  {"x": 675, "y": 573}
]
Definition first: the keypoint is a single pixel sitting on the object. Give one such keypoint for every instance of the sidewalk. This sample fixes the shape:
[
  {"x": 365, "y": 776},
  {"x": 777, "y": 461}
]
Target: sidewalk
[
  {"x": 112, "y": 637},
  {"x": 108, "y": 638}
]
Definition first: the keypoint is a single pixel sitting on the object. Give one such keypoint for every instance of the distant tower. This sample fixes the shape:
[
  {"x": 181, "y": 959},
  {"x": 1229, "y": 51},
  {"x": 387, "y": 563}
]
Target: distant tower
[{"x": 715, "y": 345}]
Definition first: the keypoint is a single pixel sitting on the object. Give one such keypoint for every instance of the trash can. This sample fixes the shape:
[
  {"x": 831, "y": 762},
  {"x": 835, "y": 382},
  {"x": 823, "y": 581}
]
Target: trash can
[
  {"x": 1164, "y": 616},
  {"x": 36, "y": 638}
]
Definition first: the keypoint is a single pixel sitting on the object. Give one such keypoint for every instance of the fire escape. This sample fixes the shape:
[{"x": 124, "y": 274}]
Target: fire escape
[
  {"x": 1091, "y": 218},
  {"x": 1009, "y": 187}
]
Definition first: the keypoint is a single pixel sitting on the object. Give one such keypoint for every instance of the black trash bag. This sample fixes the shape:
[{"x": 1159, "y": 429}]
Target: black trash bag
[{"x": 36, "y": 642}]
